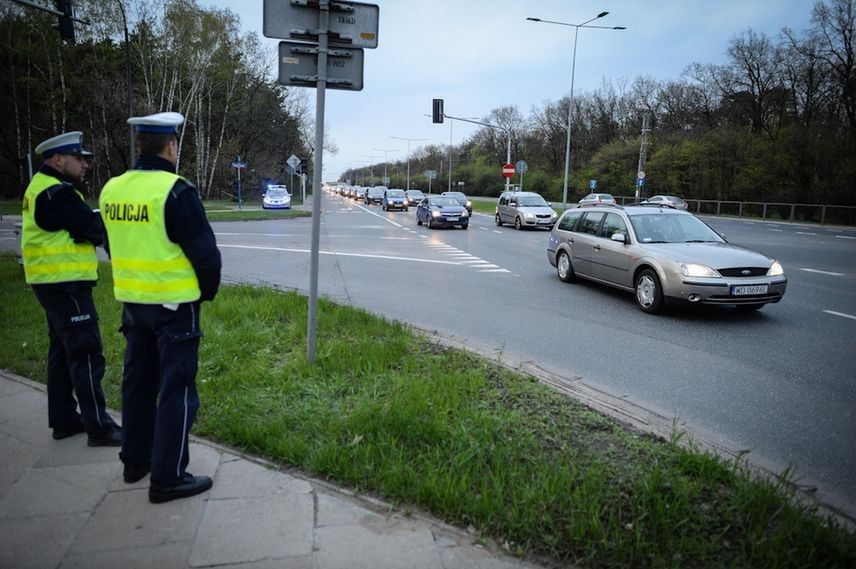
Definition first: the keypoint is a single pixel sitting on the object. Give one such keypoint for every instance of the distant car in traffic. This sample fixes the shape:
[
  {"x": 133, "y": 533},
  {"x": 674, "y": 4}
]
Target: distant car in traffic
[
  {"x": 672, "y": 201},
  {"x": 524, "y": 209},
  {"x": 414, "y": 197},
  {"x": 276, "y": 197},
  {"x": 597, "y": 199},
  {"x": 359, "y": 193},
  {"x": 374, "y": 195},
  {"x": 394, "y": 199},
  {"x": 462, "y": 199},
  {"x": 664, "y": 256},
  {"x": 442, "y": 211}
]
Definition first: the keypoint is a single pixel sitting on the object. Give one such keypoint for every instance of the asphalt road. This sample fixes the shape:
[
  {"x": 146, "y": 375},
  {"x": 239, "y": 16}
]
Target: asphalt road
[{"x": 778, "y": 382}]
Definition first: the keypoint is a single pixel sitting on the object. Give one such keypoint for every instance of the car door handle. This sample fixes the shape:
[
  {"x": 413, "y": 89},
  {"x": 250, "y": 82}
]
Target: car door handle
[
  {"x": 571, "y": 240},
  {"x": 597, "y": 247}
]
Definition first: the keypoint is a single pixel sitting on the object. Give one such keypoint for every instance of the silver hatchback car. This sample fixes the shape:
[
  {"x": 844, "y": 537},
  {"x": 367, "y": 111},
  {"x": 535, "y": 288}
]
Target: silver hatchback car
[{"x": 663, "y": 255}]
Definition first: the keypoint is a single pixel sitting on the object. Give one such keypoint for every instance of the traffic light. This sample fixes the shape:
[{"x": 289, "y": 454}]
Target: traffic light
[
  {"x": 437, "y": 111},
  {"x": 304, "y": 165},
  {"x": 65, "y": 25}
]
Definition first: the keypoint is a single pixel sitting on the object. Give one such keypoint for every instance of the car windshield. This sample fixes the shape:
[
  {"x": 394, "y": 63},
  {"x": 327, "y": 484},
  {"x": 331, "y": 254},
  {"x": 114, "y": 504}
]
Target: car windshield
[
  {"x": 395, "y": 193},
  {"x": 374, "y": 192},
  {"x": 532, "y": 201},
  {"x": 456, "y": 195},
  {"x": 659, "y": 228},
  {"x": 415, "y": 193},
  {"x": 444, "y": 201},
  {"x": 277, "y": 192}
]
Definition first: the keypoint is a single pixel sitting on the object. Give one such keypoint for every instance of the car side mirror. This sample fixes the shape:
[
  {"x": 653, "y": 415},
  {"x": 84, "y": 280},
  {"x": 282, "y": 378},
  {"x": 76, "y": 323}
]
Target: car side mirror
[{"x": 620, "y": 238}]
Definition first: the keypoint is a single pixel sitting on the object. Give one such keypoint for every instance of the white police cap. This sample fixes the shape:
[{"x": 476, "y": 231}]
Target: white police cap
[
  {"x": 65, "y": 143},
  {"x": 159, "y": 122}
]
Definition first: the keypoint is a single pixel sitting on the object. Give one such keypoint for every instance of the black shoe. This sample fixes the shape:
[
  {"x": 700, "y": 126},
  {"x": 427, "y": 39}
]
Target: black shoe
[
  {"x": 110, "y": 438},
  {"x": 190, "y": 486},
  {"x": 68, "y": 431},
  {"x": 135, "y": 472}
]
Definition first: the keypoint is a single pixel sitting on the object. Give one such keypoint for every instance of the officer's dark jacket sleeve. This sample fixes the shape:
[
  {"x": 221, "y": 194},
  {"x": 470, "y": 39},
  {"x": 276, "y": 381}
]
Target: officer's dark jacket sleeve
[
  {"x": 187, "y": 226},
  {"x": 60, "y": 207}
]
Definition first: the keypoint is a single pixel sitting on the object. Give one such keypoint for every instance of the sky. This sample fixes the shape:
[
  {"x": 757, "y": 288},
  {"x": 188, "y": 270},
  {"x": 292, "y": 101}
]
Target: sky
[{"x": 479, "y": 55}]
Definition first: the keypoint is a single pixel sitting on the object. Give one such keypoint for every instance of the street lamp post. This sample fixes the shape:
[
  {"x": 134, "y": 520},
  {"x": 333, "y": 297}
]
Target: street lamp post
[
  {"x": 571, "y": 99},
  {"x": 409, "y": 140},
  {"x": 385, "y": 161},
  {"x": 371, "y": 166}
]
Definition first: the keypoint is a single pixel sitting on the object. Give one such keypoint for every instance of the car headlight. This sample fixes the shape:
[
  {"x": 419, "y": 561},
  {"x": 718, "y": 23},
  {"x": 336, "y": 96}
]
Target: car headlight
[
  {"x": 529, "y": 215},
  {"x": 776, "y": 270},
  {"x": 469, "y": 203},
  {"x": 696, "y": 270},
  {"x": 436, "y": 213},
  {"x": 465, "y": 213}
]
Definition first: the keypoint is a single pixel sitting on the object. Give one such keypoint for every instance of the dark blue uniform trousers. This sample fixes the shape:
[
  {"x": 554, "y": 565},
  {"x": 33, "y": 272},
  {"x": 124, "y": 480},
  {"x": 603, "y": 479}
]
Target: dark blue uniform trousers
[
  {"x": 75, "y": 358},
  {"x": 159, "y": 399}
]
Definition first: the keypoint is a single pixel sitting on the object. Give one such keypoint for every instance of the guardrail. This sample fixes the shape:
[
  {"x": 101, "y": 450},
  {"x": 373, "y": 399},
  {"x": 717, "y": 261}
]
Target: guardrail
[{"x": 772, "y": 211}]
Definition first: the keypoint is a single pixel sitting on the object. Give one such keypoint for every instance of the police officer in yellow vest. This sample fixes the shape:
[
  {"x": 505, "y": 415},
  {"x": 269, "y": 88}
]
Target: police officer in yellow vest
[
  {"x": 58, "y": 238},
  {"x": 165, "y": 263}
]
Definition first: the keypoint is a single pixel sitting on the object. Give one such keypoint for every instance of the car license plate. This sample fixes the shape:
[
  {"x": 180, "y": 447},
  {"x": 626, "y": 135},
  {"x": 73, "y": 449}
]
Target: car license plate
[
  {"x": 748, "y": 289},
  {"x": 452, "y": 219}
]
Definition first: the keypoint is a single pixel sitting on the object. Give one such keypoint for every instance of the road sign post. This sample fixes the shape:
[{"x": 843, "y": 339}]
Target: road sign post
[
  {"x": 430, "y": 174},
  {"x": 347, "y": 27},
  {"x": 238, "y": 165},
  {"x": 521, "y": 167}
]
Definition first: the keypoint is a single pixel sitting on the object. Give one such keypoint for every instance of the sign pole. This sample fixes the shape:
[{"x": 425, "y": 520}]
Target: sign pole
[
  {"x": 239, "y": 185},
  {"x": 323, "y": 26}
]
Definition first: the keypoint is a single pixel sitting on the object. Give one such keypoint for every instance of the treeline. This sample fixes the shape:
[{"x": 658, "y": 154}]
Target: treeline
[
  {"x": 183, "y": 58},
  {"x": 777, "y": 122}
]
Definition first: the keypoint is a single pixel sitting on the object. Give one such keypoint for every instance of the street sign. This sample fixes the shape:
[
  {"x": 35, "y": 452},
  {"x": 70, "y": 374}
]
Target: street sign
[
  {"x": 640, "y": 182},
  {"x": 521, "y": 167},
  {"x": 293, "y": 161},
  {"x": 592, "y": 184},
  {"x": 239, "y": 165},
  {"x": 351, "y": 24},
  {"x": 298, "y": 66},
  {"x": 431, "y": 174},
  {"x": 641, "y": 175},
  {"x": 508, "y": 170}
]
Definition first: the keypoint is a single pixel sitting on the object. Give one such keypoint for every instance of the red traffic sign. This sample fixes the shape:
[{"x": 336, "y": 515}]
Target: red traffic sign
[{"x": 508, "y": 170}]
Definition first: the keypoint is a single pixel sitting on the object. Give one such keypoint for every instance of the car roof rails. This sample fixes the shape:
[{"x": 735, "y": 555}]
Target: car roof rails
[
  {"x": 615, "y": 205},
  {"x": 650, "y": 204}
]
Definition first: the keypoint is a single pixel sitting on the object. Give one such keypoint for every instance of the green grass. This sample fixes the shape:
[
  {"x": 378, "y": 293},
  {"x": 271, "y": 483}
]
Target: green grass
[
  {"x": 387, "y": 411},
  {"x": 10, "y": 207}
]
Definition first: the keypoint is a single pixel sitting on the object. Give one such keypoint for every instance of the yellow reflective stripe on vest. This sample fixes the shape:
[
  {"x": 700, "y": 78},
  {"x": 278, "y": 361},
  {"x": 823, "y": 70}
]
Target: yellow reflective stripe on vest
[
  {"x": 52, "y": 256},
  {"x": 137, "y": 286},
  {"x": 142, "y": 265}
]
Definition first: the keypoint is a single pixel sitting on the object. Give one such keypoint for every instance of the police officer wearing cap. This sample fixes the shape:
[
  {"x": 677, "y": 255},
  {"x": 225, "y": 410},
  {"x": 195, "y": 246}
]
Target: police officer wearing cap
[
  {"x": 59, "y": 234},
  {"x": 165, "y": 264}
]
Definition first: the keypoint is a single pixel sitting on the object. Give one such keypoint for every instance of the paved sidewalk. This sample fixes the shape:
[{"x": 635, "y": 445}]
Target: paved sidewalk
[{"x": 63, "y": 505}]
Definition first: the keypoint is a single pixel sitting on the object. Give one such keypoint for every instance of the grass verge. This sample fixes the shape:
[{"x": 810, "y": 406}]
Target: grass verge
[
  {"x": 388, "y": 411},
  {"x": 255, "y": 214}
]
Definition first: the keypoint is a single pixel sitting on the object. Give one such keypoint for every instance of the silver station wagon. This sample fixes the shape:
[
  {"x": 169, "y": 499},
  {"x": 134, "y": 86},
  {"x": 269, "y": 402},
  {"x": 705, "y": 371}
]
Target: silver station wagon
[{"x": 663, "y": 255}]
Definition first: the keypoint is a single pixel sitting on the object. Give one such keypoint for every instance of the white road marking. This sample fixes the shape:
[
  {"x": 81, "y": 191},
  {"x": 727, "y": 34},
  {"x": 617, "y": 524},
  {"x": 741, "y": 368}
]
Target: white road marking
[
  {"x": 497, "y": 231},
  {"x": 364, "y": 255},
  {"x": 822, "y": 272},
  {"x": 805, "y": 233},
  {"x": 850, "y": 316},
  {"x": 779, "y": 230},
  {"x": 495, "y": 271},
  {"x": 845, "y": 237}
]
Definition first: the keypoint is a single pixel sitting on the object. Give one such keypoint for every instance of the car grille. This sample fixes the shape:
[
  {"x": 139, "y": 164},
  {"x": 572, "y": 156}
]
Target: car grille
[
  {"x": 742, "y": 272},
  {"x": 543, "y": 216}
]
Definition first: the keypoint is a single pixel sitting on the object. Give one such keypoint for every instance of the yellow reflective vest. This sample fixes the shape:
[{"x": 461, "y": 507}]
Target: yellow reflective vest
[
  {"x": 52, "y": 256},
  {"x": 148, "y": 268}
]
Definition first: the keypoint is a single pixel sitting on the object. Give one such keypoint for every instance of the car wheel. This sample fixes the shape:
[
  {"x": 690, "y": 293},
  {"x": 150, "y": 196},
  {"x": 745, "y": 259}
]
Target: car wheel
[
  {"x": 565, "y": 268},
  {"x": 465, "y": 226},
  {"x": 498, "y": 220},
  {"x": 649, "y": 293},
  {"x": 517, "y": 224},
  {"x": 750, "y": 307}
]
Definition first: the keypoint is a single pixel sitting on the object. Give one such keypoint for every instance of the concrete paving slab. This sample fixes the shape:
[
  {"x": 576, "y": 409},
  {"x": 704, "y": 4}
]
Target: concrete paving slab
[
  {"x": 239, "y": 530},
  {"x": 166, "y": 556},
  {"x": 127, "y": 520},
  {"x": 346, "y": 547},
  {"x": 25, "y": 416},
  {"x": 337, "y": 510},
  {"x": 74, "y": 450},
  {"x": 287, "y": 563},
  {"x": 9, "y": 387},
  {"x": 17, "y": 458},
  {"x": 478, "y": 558},
  {"x": 57, "y": 490},
  {"x": 37, "y": 541},
  {"x": 244, "y": 479}
]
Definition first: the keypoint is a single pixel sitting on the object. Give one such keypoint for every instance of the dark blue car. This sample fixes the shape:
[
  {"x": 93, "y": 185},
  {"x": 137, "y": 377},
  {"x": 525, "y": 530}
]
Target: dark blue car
[{"x": 442, "y": 211}]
